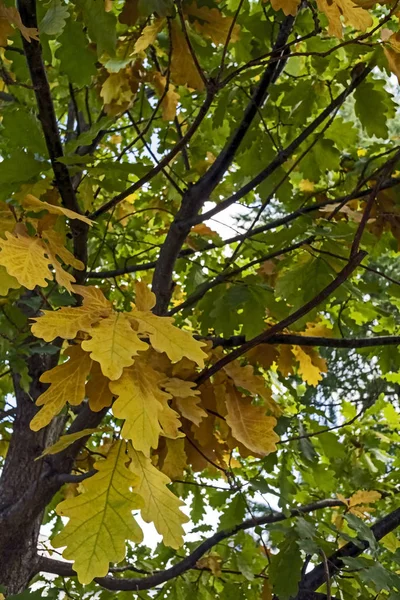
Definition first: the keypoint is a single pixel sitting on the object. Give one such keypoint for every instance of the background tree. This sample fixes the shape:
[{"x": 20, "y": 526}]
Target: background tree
[{"x": 152, "y": 366}]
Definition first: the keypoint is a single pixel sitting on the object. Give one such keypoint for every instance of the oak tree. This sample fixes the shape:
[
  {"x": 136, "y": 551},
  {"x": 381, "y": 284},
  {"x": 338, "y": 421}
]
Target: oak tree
[{"x": 199, "y": 313}]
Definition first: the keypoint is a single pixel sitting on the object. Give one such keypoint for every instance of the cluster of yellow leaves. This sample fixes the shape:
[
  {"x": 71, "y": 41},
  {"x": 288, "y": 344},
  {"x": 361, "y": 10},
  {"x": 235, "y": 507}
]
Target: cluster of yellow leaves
[
  {"x": 101, "y": 520},
  {"x": 352, "y": 14},
  {"x": 146, "y": 365},
  {"x": 119, "y": 90},
  {"x": 358, "y": 503},
  {"x": 26, "y": 259}
]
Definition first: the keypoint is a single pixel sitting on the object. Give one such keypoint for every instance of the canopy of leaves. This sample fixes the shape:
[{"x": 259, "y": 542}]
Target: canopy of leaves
[{"x": 199, "y": 299}]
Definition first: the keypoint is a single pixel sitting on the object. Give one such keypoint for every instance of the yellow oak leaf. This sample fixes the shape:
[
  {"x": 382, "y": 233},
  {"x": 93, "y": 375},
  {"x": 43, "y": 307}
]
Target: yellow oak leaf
[
  {"x": 64, "y": 323},
  {"x": 24, "y": 257},
  {"x": 94, "y": 300},
  {"x": 144, "y": 297},
  {"x": 100, "y": 519},
  {"x": 179, "y": 388},
  {"x": 140, "y": 403},
  {"x": 67, "y": 384},
  {"x": 56, "y": 244},
  {"x": 249, "y": 423},
  {"x": 186, "y": 399},
  {"x": 165, "y": 337},
  {"x": 393, "y": 59},
  {"x": 173, "y": 459},
  {"x": 244, "y": 377},
  {"x": 170, "y": 97},
  {"x": 317, "y": 330},
  {"x": 11, "y": 14},
  {"x": 161, "y": 506},
  {"x": 263, "y": 355},
  {"x": 289, "y": 7},
  {"x": 309, "y": 372},
  {"x": 305, "y": 185},
  {"x": 285, "y": 361},
  {"x": 211, "y": 23},
  {"x": 34, "y": 204},
  {"x": 359, "y": 503},
  {"x": 66, "y": 440},
  {"x": 212, "y": 562},
  {"x": 352, "y": 15},
  {"x": 113, "y": 344},
  {"x": 364, "y": 497},
  {"x": 7, "y": 282},
  {"x": 183, "y": 69},
  {"x": 148, "y": 35},
  {"x": 98, "y": 392},
  {"x": 119, "y": 90}
]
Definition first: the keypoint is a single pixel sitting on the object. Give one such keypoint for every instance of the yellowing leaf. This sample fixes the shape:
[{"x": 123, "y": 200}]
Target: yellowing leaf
[
  {"x": 144, "y": 298},
  {"x": 393, "y": 59},
  {"x": 56, "y": 245},
  {"x": 67, "y": 385},
  {"x": 211, "y": 23},
  {"x": 170, "y": 97},
  {"x": 11, "y": 14},
  {"x": 100, "y": 519},
  {"x": 183, "y": 69},
  {"x": 212, "y": 562},
  {"x": 94, "y": 300},
  {"x": 186, "y": 399},
  {"x": 310, "y": 373},
  {"x": 97, "y": 390},
  {"x": 352, "y": 14},
  {"x": 245, "y": 377},
  {"x": 285, "y": 361},
  {"x": 165, "y": 337},
  {"x": 66, "y": 440},
  {"x": 140, "y": 403},
  {"x": 118, "y": 91},
  {"x": 148, "y": 35},
  {"x": 113, "y": 344},
  {"x": 7, "y": 282},
  {"x": 390, "y": 542},
  {"x": 24, "y": 257},
  {"x": 249, "y": 424},
  {"x": 161, "y": 506},
  {"x": 34, "y": 204},
  {"x": 174, "y": 459},
  {"x": 306, "y": 185},
  {"x": 363, "y": 497},
  {"x": 289, "y": 7},
  {"x": 64, "y": 323}
]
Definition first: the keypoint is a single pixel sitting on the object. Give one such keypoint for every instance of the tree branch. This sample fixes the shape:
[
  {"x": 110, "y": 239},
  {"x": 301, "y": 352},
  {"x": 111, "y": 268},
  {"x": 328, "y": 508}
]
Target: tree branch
[
  {"x": 341, "y": 277},
  {"x": 47, "y": 117},
  {"x": 314, "y": 579},
  {"x": 286, "y": 153},
  {"x": 163, "y": 162},
  {"x": 195, "y": 197},
  {"x": 304, "y": 340},
  {"x": 246, "y": 235},
  {"x": 65, "y": 569}
]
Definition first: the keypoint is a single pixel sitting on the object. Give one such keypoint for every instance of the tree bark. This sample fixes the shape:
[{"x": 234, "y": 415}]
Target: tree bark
[{"x": 18, "y": 537}]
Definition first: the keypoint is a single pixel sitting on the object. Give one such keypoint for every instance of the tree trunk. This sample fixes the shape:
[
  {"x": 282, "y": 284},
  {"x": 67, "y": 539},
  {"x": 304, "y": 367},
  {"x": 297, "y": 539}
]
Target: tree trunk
[{"x": 19, "y": 534}]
